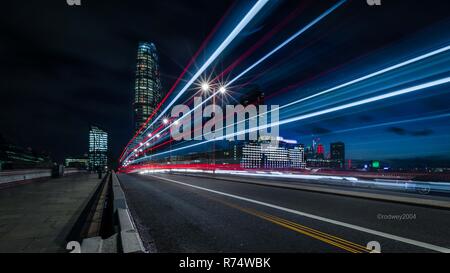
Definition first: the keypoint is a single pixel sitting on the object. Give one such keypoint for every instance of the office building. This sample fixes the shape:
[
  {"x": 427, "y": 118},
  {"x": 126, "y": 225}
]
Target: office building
[
  {"x": 268, "y": 154},
  {"x": 98, "y": 148}
]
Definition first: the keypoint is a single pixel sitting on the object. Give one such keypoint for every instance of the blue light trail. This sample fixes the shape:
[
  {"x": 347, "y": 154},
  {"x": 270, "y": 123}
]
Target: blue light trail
[
  {"x": 280, "y": 46},
  {"x": 314, "y": 114},
  {"x": 242, "y": 24}
]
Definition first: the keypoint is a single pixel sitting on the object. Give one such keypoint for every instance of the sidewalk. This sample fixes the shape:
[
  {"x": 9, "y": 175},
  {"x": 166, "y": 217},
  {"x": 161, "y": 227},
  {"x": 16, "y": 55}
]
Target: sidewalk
[{"x": 38, "y": 217}]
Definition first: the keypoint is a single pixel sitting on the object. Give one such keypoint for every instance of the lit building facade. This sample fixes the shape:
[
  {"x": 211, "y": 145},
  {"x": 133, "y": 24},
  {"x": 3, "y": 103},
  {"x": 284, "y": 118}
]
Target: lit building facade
[
  {"x": 77, "y": 162},
  {"x": 98, "y": 148},
  {"x": 147, "y": 89},
  {"x": 279, "y": 154}
]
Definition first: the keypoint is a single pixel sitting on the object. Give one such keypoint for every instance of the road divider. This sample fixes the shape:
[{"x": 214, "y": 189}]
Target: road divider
[{"x": 126, "y": 238}]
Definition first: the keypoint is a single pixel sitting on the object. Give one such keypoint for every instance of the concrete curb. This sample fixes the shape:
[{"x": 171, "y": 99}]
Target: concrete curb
[
  {"x": 92, "y": 245},
  {"x": 374, "y": 196},
  {"x": 129, "y": 236},
  {"x": 127, "y": 239},
  {"x": 99, "y": 245}
]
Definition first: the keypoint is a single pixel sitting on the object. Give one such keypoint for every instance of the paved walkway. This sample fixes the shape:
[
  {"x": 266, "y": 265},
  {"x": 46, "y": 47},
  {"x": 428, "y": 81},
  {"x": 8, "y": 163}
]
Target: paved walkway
[{"x": 38, "y": 217}]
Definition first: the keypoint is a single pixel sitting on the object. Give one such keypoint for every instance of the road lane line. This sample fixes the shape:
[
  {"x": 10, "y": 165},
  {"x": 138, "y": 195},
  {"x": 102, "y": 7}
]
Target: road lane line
[
  {"x": 312, "y": 235},
  {"x": 316, "y": 234},
  {"x": 319, "y": 233},
  {"x": 319, "y": 218}
]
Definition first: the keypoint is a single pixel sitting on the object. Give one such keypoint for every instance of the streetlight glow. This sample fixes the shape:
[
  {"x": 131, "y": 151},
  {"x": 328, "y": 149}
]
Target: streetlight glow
[{"x": 205, "y": 86}]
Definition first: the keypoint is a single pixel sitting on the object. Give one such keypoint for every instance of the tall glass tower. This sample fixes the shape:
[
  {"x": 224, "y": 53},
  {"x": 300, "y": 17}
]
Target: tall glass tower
[{"x": 147, "y": 89}]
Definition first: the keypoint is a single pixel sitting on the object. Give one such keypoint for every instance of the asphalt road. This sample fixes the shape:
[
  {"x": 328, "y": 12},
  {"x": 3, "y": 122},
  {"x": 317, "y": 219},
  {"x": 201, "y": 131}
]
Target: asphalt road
[{"x": 177, "y": 213}]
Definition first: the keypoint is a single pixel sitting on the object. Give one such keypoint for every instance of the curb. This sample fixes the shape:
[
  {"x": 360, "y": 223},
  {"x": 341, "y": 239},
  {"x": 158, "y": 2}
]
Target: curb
[
  {"x": 129, "y": 237},
  {"x": 126, "y": 239}
]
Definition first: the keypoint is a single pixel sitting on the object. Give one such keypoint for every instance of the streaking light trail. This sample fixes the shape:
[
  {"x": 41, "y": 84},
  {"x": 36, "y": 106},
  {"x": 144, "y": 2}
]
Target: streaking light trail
[
  {"x": 314, "y": 114},
  {"x": 366, "y": 77},
  {"x": 247, "y": 18},
  {"x": 290, "y": 39}
]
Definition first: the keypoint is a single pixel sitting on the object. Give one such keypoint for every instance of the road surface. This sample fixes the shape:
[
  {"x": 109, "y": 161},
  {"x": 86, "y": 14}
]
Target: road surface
[{"x": 180, "y": 213}]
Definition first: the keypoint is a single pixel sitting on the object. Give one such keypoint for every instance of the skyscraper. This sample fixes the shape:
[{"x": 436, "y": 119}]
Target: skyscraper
[
  {"x": 337, "y": 151},
  {"x": 147, "y": 89},
  {"x": 98, "y": 148}
]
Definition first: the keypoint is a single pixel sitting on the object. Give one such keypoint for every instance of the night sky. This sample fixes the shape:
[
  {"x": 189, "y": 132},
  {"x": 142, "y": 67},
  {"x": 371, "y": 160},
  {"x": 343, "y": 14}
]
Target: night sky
[{"x": 63, "y": 68}]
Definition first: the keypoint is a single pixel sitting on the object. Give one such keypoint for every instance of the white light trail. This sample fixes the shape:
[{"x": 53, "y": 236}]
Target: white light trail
[
  {"x": 290, "y": 39},
  {"x": 366, "y": 77},
  {"x": 247, "y": 18}
]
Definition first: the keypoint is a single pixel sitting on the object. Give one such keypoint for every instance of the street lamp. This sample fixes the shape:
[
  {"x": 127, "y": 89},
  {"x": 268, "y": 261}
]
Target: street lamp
[
  {"x": 205, "y": 86},
  {"x": 165, "y": 121},
  {"x": 222, "y": 89}
]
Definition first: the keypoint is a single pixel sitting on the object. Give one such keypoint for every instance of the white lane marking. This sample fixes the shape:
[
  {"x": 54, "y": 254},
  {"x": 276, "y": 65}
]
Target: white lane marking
[{"x": 320, "y": 218}]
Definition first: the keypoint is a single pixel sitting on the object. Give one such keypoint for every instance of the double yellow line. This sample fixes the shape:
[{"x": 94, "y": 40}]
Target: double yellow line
[
  {"x": 313, "y": 233},
  {"x": 316, "y": 234}
]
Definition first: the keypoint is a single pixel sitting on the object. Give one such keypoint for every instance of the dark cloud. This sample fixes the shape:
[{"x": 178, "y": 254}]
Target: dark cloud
[
  {"x": 403, "y": 132},
  {"x": 397, "y": 130},
  {"x": 320, "y": 130}
]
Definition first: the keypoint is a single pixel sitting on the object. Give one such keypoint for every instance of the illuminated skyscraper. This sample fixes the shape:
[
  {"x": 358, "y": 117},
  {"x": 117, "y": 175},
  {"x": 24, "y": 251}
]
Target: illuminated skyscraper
[
  {"x": 98, "y": 148},
  {"x": 147, "y": 89}
]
